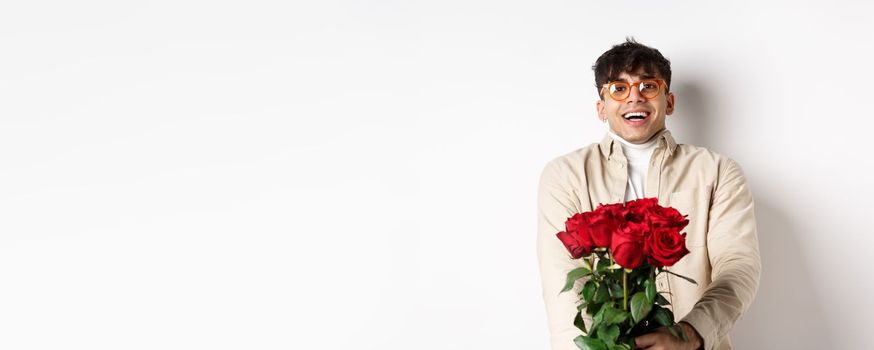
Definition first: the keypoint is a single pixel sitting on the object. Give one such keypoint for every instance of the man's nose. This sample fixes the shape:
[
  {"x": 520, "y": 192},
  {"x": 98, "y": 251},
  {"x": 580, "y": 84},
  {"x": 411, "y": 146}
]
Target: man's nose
[{"x": 634, "y": 95}]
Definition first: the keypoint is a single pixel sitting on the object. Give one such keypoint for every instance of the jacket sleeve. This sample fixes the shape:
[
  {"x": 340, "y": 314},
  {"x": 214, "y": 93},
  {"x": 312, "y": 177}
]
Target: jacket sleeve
[
  {"x": 556, "y": 201},
  {"x": 733, "y": 249}
]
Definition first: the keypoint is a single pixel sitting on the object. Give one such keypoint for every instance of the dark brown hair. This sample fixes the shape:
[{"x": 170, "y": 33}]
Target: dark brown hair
[{"x": 630, "y": 57}]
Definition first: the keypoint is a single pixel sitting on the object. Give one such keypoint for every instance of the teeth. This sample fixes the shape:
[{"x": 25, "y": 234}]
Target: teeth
[{"x": 636, "y": 114}]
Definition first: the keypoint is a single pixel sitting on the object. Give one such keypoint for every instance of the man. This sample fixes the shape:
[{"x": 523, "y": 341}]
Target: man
[{"x": 639, "y": 158}]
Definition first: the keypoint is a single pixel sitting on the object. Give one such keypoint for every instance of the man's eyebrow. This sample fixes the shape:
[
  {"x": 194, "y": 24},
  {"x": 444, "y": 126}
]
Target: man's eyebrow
[{"x": 645, "y": 76}]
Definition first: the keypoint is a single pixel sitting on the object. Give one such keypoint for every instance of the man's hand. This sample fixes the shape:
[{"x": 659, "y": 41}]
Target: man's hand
[{"x": 662, "y": 339}]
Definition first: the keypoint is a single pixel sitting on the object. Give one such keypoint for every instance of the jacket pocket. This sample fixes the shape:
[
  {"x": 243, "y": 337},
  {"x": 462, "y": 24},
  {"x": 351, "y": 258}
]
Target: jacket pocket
[{"x": 695, "y": 203}]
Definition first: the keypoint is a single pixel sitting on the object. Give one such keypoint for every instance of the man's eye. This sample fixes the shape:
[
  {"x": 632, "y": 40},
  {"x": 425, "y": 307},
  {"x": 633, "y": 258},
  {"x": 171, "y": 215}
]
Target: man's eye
[
  {"x": 649, "y": 85},
  {"x": 618, "y": 88}
]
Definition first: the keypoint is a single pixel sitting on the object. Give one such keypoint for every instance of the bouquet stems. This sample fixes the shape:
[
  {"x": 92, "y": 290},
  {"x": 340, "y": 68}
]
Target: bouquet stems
[{"x": 624, "y": 290}]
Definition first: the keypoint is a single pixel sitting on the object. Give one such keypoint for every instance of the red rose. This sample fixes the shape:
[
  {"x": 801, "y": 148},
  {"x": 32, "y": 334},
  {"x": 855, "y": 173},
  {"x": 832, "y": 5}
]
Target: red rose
[
  {"x": 638, "y": 209},
  {"x": 665, "y": 246},
  {"x": 627, "y": 244},
  {"x": 667, "y": 217},
  {"x": 604, "y": 222},
  {"x": 577, "y": 239}
]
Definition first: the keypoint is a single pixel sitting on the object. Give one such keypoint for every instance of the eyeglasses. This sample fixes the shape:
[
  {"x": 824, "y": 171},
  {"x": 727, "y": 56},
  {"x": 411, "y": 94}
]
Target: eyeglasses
[{"x": 620, "y": 90}]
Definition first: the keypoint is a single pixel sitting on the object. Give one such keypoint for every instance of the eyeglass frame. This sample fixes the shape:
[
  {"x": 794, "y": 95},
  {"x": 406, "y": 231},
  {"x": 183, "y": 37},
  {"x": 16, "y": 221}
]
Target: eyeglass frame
[{"x": 660, "y": 82}]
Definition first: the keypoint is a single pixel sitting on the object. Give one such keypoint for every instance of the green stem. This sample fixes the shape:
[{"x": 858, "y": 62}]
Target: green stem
[
  {"x": 592, "y": 263},
  {"x": 624, "y": 290}
]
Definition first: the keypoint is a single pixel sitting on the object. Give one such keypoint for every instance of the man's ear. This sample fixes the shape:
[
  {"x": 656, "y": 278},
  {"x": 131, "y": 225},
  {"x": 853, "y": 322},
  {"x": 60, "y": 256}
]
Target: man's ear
[
  {"x": 599, "y": 106},
  {"x": 670, "y": 104}
]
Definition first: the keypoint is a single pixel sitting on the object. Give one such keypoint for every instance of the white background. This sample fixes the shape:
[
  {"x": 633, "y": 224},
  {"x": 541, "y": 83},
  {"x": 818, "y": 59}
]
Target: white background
[{"x": 363, "y": 174}]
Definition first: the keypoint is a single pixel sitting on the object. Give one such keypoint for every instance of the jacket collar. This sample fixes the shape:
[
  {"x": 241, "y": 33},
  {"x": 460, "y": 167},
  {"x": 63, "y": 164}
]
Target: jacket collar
[{"x": 608, "y": 145}]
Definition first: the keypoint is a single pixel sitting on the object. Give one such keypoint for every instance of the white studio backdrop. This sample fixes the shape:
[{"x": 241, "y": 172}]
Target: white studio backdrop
[{"x": 339, "y": 174}]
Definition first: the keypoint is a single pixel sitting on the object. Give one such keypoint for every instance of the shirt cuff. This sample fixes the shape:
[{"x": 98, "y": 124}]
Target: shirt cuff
[{"x": 705, "y": 327}]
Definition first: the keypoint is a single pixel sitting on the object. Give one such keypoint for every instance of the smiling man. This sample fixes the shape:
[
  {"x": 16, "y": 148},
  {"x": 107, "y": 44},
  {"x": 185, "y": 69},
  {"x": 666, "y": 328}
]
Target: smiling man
[
  {"x": 639, "y": 158},
  {"x": 636, "y": 108}
]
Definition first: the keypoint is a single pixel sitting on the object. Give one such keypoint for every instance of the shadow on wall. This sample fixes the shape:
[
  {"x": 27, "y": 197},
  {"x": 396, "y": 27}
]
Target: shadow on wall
[
  {"x": 695, "y": 115},
  {"x": 787, "y": 314}
]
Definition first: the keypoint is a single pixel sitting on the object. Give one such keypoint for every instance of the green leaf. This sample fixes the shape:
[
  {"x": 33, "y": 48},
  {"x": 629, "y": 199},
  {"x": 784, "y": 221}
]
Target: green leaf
[
  {"x": 613, "y": 315},
  {"x": 599, "y": 317},
  {"x": 638, "y": 276},
  {"x": 602, "y": 265},
  {"x": 593, "y": 308},
  {"x": 573, "y": 276},
  {"x": 615, "y": 290},
  {"x": 649, "y": 285},
  {"x": 586, "y": 343},
  {"x": 578, "y": 321},
  {"x": 663, "y": 316},
  {"x": 586, "y": 262},
  {"x": 640, "y": 307},
  {"x": 677, "y": 333},
  {"x": 682, "y": 332},
  {"x": 620, "y": 347},
  {"x": 608, "y": 334},
  {"x": 601, "y": 294},
  {"x": 614, "y": 267},
  {"x": 589, "y": 290},
  {"x": 661, "y": 300}
]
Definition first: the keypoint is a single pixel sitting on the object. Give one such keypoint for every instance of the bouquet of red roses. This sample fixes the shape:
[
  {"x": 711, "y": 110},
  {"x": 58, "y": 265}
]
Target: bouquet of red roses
[{"x": 623, "y": 248}]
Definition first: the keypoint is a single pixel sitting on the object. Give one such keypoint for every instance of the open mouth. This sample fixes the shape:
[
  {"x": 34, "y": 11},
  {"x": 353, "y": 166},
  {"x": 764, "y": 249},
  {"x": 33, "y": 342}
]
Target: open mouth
[{"x": 635, "y": 116}]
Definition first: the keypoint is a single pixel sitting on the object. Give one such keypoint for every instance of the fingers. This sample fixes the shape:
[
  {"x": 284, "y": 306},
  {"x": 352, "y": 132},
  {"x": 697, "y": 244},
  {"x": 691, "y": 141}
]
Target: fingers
[
  {"x": 655, "y": 340},
  {"x": 646, "y": 340}
]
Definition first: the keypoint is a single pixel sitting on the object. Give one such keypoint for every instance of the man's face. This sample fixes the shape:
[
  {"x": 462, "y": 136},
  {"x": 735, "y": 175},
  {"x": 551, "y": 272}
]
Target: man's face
[{"x": 655, "y": 109}]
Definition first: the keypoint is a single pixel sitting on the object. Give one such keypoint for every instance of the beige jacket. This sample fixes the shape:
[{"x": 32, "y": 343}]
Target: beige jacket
[{"x": 721, "y": 235}]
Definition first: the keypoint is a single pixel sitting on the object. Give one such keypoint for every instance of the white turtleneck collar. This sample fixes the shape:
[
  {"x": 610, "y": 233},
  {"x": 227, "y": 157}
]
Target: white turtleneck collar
[
  {"x": 636, "y": 152},
  {"x": 647, "y": 144},
  {"x": 638, "y": 157}
]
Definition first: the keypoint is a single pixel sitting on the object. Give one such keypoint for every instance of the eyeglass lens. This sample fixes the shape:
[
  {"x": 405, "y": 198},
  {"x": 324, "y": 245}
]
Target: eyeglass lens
[{"x": 621, "y": 90}]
